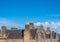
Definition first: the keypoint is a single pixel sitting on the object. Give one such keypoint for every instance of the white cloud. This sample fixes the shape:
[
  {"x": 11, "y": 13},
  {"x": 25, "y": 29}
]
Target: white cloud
[
  {"x": 58, "y": 24},
  {"x": 47, "y": 24},
  {"x": 9, "y": 23},
  {"x": 54, "y": 25},
  {"x": 38, "y": 23}
]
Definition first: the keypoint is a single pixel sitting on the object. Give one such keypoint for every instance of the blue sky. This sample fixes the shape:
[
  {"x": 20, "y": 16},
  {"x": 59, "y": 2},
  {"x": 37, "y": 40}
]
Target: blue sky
[{"x": 19, "y": 12}]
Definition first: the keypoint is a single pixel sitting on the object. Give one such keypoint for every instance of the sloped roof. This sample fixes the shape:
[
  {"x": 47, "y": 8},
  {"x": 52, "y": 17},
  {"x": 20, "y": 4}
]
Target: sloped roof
[{"x": 15, "y": 34}]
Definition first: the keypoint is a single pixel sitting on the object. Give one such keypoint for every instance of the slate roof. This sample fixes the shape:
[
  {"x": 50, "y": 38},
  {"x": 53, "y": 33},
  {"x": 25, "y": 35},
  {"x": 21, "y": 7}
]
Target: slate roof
[{"x": 15, "y": 34}]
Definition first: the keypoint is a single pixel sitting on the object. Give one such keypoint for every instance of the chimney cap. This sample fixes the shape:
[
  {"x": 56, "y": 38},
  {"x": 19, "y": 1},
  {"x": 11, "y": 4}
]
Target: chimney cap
[
  {"x": 13, "y": 26},
  {"x": 27, "y": 23},
  {"x": 31, "y": 22}
]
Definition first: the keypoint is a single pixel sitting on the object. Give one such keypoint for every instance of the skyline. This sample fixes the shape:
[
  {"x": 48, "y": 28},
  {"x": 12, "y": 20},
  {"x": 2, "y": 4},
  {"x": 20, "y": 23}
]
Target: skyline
[{"x": 19, "y": 12}]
